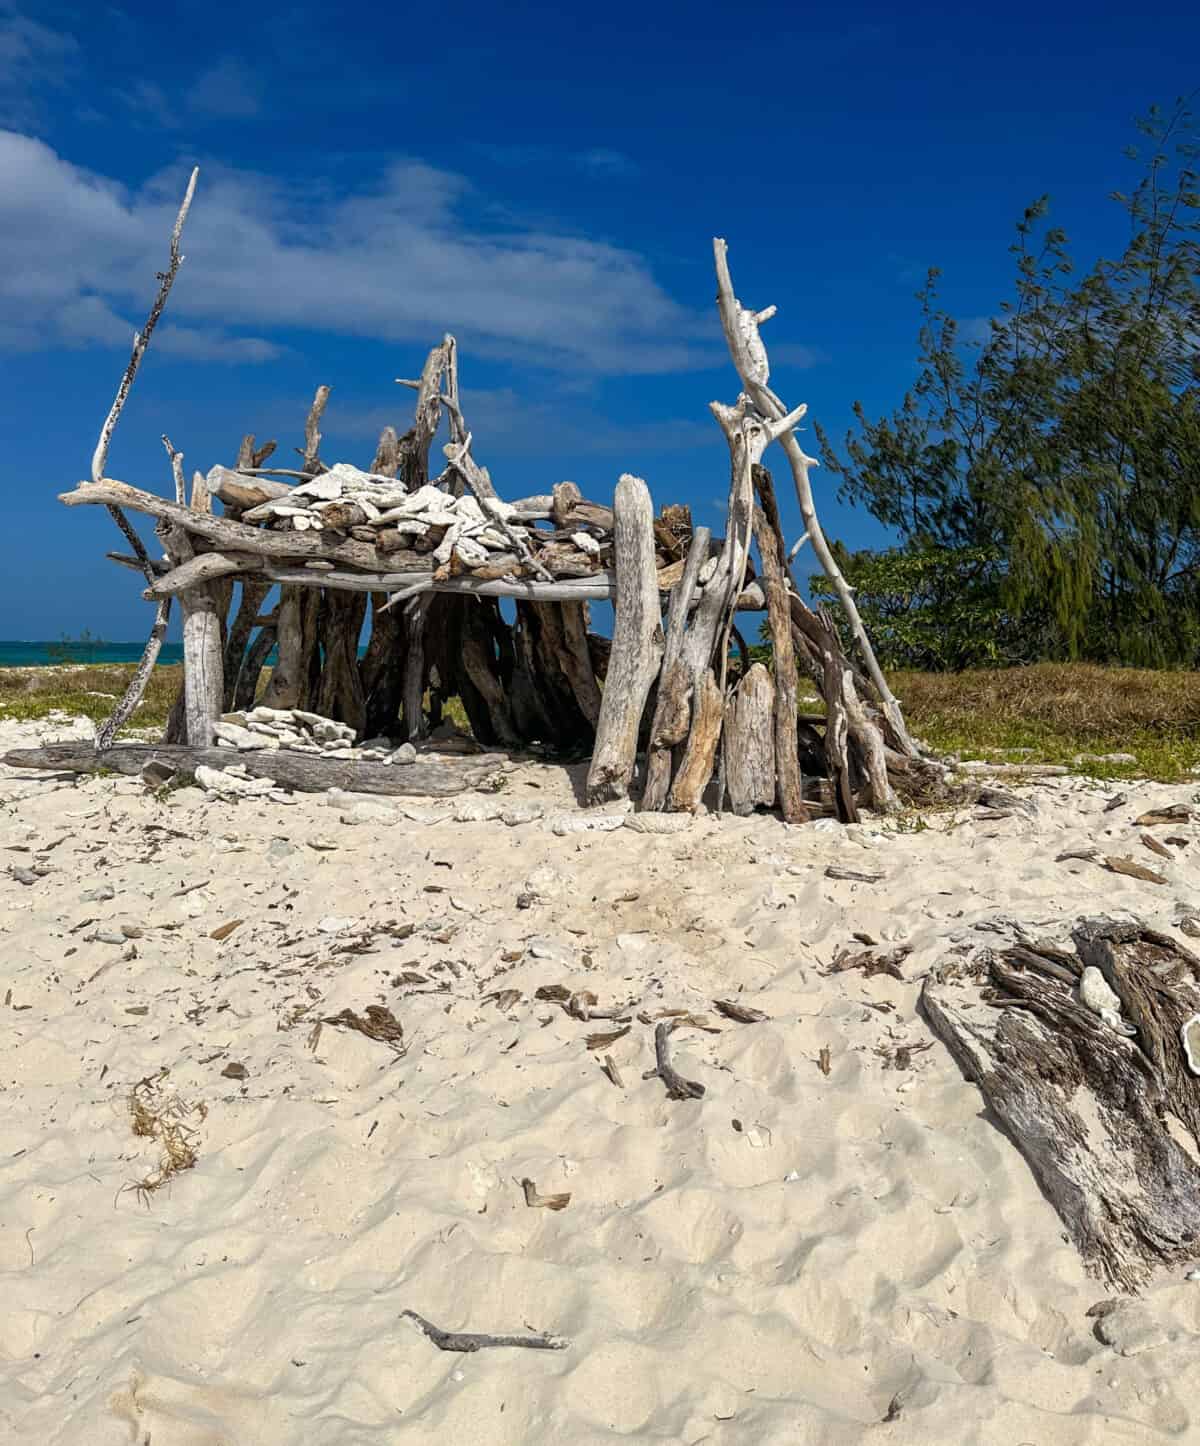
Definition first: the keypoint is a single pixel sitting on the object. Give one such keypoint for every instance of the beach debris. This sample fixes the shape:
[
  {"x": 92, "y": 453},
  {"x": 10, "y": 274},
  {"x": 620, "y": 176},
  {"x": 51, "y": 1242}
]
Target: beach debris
[
  {"x": 1114, "y": 863},
  {"x": 677, "y": 1087},
  {"x": 163, "y": 1117},
  {"x": 22, "y": 876},
  {"x": 235, "y": 1071},
  {"x": 1096, "y": 994},
  {"x": 824, "y": 1060},
  {"x": 1132, "y": 869},
  {"x": 1093, "y": 1111},
  {"x": 1002, "y": 804},
  {"x": 1174, "y": 813},
  {"x": 602, "y": 1041},
  {"x": 544, "y": 1202},
  {"x": 1155, "y": 847},
  {"x": 504, "y": 999},
  {"x": 859, "y": 876},
  {"x": 157, "y": 774},
  {"x": 741, "y": 1013},
  {"x": 871, "y": 963},
  {"x": 610, "y": 1069},
  {"x": 376, "y": 1022},
  {"x": 468, "y": 1342},
  {"x": 1116, "y": 801},
  {"x": 223, "y": 931},
  {"x": 1129, "y": 1328},
  {"x": 894, "y": 1410},
  {"x": 900, "y": 1056}
]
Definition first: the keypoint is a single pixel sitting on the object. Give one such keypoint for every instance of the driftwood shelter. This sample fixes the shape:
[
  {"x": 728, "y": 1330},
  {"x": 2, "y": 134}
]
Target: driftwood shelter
[
  {"x": 431, "y": 549},
  {"x": 1087, "y": 1058}
]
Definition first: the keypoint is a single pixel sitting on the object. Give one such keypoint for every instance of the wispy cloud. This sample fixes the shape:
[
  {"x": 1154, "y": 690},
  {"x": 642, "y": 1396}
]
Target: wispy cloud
[
  {"x": 510, "y": 424},
  {"x": 33, "y": 57},
  {"x": 228, "y": 90},
  {"x": 600, "y": 161},
  {"x": 395, "y": 260}
]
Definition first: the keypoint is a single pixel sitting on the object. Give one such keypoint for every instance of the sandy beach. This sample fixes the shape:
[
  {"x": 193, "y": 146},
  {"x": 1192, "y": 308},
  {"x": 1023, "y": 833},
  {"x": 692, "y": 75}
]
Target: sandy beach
[{"x": 833, "y": 1245}]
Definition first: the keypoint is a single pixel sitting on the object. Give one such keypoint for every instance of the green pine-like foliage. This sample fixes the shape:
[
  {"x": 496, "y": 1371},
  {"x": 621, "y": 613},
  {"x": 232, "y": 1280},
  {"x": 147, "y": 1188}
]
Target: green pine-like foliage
[{"x": 1051, "y": 473}]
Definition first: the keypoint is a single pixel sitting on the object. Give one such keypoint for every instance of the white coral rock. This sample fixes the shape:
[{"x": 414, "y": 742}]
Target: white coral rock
[{"x": 1096, "y": 994}]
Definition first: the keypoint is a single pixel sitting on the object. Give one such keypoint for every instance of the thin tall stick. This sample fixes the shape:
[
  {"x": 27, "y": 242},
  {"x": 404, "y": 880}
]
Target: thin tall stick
[
  {"x": 141, "y": 339},
  {"x": 162, "y": 614},
  {"x": 749, "y": 355}
]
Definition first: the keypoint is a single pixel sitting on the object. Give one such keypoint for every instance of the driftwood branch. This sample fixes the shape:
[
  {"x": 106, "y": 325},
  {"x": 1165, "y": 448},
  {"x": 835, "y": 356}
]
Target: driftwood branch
[
  {"x": 141, "y": 339},
  {"x": 162, "y": 616},
  {"x": 678, "y": 1088},
  {"x": 749, "y": 356},
  {"x": 467, "y": 1342}
]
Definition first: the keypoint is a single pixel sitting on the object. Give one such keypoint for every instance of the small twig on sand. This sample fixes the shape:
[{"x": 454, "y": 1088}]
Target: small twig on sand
[
  {"x": 611, "y": 1070},
  {"x": 470, "y": 1341},
  {"x": 742, "y": 1013},
  {"x": 678, "y": 1088}
]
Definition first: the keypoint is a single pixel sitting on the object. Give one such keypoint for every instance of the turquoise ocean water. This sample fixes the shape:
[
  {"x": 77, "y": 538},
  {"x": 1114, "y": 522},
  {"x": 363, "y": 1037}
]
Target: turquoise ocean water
[{"x": 40, "y": 655}]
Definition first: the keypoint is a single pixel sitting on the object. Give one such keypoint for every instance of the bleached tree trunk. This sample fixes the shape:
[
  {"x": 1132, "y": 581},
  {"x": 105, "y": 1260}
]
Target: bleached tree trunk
[{"x": 637, "y": 643}]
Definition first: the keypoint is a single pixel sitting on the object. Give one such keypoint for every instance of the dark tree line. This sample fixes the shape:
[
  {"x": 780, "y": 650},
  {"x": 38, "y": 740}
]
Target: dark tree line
[{"x": 1045, "y": 483}]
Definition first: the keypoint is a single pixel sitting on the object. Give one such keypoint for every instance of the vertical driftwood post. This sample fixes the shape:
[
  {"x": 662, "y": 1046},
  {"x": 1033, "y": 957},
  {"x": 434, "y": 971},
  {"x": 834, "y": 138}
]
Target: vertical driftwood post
[
  {"x": 750, "y": 742},
  {"x": 293, "y": 677},
  {"x": 700, "y": 750},
  {"x": 787, "y": 757},
  {"x": 672, "y": 709},
  {"x": 637, "y": 643},
  {"x": 203, "y": 660}
]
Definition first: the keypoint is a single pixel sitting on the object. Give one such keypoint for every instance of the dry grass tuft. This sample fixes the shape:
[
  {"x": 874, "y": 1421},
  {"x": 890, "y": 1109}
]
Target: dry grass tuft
[
  {"x": 157, "y": 1115},
  {"x": 1053, "y": 712}
]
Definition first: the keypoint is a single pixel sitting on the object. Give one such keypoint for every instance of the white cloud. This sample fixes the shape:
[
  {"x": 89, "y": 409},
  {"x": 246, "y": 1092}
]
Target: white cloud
[
  {"x": 508, "y": 424},
  {"x": 228, "y": 89},
  {"x": 395, "y": 261}
]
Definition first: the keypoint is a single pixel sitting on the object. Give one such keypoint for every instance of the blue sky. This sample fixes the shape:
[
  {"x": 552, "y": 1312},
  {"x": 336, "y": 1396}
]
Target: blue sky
[{"x": 543, "y": 182}]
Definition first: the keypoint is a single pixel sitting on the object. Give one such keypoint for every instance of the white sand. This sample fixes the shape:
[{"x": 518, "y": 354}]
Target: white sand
[{"x": 863, "y": 1235}]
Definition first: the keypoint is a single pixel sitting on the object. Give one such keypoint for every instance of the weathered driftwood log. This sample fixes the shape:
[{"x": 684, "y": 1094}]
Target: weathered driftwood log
[
  {"x": 700, "y": 751},
  {"x": 246, "y": 693},
  {"x": 483, "y": 690},
  {"x": 750, "y": 770},
  {"x": 637, "y": 643},
  {"x": 295, "y": 672},
  {"x": 775, "y": 585},
  {"x": 412, "y": 689},
  {"x": 303, "y": 772},
  {"x": 340, "y": 691},
  {"x": 382, "y": 669},
  {"x": 238, "y": 491},
  {"x": 253, "y": 595},
  {"x": 672, "y": 710},
  {"x": 1090, "y": 1108},
  {"x": 442, "y": 361},
  {"x": 234, "y": 537},
  {"x": 203, "y": 650}
]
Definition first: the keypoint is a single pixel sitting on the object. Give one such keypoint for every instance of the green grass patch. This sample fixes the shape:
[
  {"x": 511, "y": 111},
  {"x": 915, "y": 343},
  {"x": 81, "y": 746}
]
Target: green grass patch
[{"x": 88, "y": 690}]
